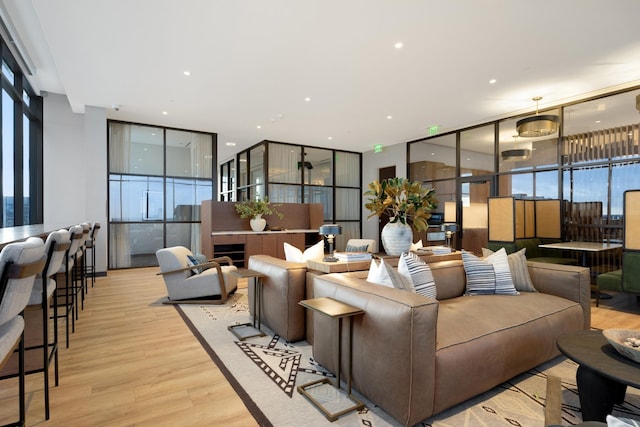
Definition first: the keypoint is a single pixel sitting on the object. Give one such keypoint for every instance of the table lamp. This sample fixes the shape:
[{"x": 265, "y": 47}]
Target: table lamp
[
  {"x": 449, "y": 230},
  {"x": 330, "y": 231}
]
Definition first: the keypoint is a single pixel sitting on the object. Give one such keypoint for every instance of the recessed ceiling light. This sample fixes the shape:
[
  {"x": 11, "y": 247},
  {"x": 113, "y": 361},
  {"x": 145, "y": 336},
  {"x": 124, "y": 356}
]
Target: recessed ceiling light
[
  {"x": 307, "y": 99},
  {"x": 230, "y": 144},
  {"x": 258, "y": 127},
  {"x": 389, "y": 117},
  {"x": 492, "y": 81},
  {"x": 187, "y": 73},
  {"x": 597, "y": 121},
  {"x": 165, "y": 113},
  {"x": 330, "y": 138},
  {"x": 398, "y": 45}
]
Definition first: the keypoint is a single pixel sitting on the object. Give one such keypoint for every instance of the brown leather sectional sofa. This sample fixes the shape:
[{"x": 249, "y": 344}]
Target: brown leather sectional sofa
[
  {"x": 283, "y": 287},
  {"x": 415, "y": 356}
]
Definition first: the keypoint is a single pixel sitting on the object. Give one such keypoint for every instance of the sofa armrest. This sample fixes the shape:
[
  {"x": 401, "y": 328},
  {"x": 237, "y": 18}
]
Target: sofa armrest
[
  {"x": 567, "y": 281},
  {"x": 394, "y": 344},
  {"x": 283, "y": 287}
]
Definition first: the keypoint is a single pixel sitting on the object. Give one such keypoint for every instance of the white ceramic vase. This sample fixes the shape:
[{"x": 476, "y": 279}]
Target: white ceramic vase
[
  {"x": 396, "y": 238},
  {"x": 258, "y": 223}
]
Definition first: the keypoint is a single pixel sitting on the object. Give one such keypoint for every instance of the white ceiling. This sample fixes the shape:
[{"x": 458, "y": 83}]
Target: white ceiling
[{"x": 253, "y": 62}]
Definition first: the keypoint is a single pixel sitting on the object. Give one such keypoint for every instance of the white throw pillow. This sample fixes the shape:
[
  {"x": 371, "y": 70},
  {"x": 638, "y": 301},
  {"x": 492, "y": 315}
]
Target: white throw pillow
[
  {"x": 621, "y": 422},
  {"x": 378, "y": 274},
  {"x": 291, "y": 253},
  {"x": 398, "y": 280}
]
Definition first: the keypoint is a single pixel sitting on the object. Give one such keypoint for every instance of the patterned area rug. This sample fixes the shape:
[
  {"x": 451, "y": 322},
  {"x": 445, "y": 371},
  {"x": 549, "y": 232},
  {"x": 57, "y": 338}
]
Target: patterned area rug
[{"x": 265, "y": 372}]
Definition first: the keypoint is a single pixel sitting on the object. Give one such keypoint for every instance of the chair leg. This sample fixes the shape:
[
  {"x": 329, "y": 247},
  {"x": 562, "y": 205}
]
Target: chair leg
[
  {"x": 45, "y": 349},
  {"x": 55, "y": 338},
  {"x": 21, "y": 387}
]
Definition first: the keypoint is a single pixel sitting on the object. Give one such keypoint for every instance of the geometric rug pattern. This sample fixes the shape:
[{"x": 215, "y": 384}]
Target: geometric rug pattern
[{"x": 265, "y": 372}]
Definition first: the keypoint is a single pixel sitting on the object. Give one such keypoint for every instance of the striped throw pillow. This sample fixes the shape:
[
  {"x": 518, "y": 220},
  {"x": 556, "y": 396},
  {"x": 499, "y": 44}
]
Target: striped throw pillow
[
  {"x": 519, "y": 269},
  {"x": 490, "y": 275},
  {"x": 420, "y": 274}
]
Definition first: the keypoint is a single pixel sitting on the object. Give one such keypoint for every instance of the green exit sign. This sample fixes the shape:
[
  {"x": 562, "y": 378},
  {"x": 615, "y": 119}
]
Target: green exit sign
[
  {"x": 377, "y": 148},
  {"x": 433, "y": 130}
]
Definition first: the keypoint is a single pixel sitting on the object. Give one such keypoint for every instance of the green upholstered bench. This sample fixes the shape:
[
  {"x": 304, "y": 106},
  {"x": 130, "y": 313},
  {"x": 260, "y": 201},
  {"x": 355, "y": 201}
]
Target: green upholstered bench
[
  {"x": 533, "y": 251},
  {"x": 627, "y": 279}
]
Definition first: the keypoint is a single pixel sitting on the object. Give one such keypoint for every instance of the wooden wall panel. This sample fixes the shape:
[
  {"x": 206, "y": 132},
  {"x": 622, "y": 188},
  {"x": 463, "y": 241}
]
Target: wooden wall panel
[
  {"x": 632, "y": 219},
  {"x": 548, "y": 221},
  {"x": 529, "y": 218},
  {"x": 520, "y": 219},
  {"x": 501, "y": 219}
]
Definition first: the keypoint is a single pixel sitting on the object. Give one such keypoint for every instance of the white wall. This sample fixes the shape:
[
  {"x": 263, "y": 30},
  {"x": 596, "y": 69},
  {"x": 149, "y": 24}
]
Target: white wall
[
  {"x": 75, "y": 169},
  {"x": 394, "y": 155}
]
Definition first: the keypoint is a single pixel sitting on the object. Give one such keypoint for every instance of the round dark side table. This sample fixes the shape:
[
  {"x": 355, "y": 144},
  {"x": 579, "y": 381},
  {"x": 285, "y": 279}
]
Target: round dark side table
[{"x": 603, "y": 374}]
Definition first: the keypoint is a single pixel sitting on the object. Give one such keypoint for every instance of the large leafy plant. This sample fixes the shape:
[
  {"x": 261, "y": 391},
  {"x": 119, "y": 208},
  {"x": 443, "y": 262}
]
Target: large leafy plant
[
  {"x": 403, "y": 200},
  {"x": 251, "y": 208}
]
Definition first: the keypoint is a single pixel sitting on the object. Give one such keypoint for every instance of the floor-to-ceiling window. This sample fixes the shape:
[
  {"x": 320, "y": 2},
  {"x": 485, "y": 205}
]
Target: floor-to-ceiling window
[
  {"x": 21, "y": 152},
  {"x": 158, "y": 178}
]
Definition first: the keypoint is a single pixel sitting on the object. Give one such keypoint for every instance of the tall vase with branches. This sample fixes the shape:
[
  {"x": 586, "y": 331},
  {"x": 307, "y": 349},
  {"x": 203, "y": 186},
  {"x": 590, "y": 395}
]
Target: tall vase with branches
[{"x": 408, "y": 204}]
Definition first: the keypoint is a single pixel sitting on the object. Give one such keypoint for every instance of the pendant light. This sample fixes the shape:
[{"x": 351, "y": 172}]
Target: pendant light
[
  {"x": 516, "y": 153},
  {"x": 538, "y": 125}
]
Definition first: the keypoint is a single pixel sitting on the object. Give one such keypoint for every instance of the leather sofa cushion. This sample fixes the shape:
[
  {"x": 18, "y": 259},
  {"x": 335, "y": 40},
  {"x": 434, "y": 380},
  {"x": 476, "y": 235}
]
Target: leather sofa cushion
[{"x": 487, "y": 339}]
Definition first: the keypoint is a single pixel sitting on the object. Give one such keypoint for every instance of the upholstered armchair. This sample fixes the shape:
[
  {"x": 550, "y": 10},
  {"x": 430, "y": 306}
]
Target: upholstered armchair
[
  {"x": 362, "y": 245},
  {"x": 188, "y": 280}
]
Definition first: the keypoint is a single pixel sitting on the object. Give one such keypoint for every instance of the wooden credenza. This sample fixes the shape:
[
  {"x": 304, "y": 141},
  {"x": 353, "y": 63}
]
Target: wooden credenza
[
  {"x": 223, "y": 232},
  {"x": 240, "y": 245}
]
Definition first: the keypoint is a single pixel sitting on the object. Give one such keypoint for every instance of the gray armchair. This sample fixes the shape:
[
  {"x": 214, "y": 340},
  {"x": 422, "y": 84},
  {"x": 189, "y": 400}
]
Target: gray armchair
[{"x": 185, "y": 282}]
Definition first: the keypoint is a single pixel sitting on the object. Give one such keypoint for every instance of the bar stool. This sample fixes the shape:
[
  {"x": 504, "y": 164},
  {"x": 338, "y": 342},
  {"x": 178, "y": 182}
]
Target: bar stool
[
  {"x": 66, "y": 292},
  {"x": 79, "y": 266},
  {"x": 91, "y": 245},
  {"x": 42, "y": 297},
  {"x": 19, "y": 264}
]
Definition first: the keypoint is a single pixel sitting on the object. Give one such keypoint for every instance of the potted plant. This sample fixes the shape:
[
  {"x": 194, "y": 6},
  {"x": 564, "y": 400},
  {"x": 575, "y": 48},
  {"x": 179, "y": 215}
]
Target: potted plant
[
  {"x": 407, "y": 204},
  {"x": 254, "y": 209}
]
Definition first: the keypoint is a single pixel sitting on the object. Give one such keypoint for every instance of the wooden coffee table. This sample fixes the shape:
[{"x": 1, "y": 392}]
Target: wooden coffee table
[{"x": 603, "y": 374}]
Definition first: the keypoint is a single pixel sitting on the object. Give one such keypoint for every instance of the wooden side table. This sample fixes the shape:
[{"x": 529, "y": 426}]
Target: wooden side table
[
  {"x": 603, "y": 374},
  {"x": 242, "y": 331},
  {"x": 336, "y": 310}
]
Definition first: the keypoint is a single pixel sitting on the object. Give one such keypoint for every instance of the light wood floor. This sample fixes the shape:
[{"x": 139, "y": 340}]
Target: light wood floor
[{"x": 133, "y": 361}]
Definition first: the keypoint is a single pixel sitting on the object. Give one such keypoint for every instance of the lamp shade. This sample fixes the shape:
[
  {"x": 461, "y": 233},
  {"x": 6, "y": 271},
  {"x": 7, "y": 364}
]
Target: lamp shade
[
  {"x": 330, "y": 229},
  {"x": 538, "y": 125},
  {"x": 516, "y": 154}
]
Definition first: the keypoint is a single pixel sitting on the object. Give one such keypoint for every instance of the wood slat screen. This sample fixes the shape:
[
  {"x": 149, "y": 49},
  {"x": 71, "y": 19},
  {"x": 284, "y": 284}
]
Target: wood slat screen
[{"x": 602, "y": 144}]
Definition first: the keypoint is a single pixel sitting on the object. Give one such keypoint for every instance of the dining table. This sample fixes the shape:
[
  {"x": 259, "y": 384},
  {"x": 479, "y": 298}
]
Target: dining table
[{"x": 584, "y": 248}]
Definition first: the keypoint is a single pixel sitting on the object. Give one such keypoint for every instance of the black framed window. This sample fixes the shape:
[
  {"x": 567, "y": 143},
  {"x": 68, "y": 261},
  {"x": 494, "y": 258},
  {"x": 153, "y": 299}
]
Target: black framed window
[{"x": 21, "y": 157}]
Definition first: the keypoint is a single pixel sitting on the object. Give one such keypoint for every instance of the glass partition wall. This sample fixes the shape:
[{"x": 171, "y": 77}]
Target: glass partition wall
[
  {"x": 158, "y": 178},
  {"x": 290, "y": 173},
  {"x": 588, "y": 163}
]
